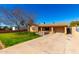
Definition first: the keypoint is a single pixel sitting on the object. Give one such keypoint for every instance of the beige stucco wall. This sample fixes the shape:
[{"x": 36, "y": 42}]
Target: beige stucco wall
[
  {"x": 34, "y": 28},
  {"x": 74, "y": 32},
  {"x": 65, "y": 30}
]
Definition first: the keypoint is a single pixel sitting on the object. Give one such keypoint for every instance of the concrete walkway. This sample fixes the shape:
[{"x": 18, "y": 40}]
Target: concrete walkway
[{"x": 51, "y": 43}]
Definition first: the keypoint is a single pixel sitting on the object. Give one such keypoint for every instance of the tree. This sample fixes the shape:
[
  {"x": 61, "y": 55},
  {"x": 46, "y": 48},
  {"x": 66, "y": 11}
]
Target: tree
[
  {"x": 74, "y": 23},
  {"x": 25, "y": 19},
  {"x": 6, "y": 28},
  {"x": 19, "y": 18}
]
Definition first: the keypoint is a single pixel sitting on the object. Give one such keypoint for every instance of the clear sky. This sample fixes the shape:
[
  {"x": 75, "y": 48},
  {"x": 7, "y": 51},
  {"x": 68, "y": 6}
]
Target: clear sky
[{"x": 49, "y": 13}]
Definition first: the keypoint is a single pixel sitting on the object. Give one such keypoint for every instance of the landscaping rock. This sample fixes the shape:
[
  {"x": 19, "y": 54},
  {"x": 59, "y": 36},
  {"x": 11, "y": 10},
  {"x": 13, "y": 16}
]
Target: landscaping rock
[{"x": 1, "y": 45}]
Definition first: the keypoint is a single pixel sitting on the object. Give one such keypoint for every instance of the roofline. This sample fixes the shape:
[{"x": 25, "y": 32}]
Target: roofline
[
  {"x": 53, "y": 26},
  {"x": 42, "y": 25},
  {"x": 35, "y": 24},
  {"x": 46, "y": 25}
]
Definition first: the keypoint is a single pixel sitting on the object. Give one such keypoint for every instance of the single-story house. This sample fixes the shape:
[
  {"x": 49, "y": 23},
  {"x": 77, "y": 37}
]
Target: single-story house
[{"x": 49, "y": 28}]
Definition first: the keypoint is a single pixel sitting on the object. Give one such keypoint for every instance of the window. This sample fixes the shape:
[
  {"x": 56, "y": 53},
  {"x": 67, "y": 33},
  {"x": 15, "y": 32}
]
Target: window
[{"x": 34, "y": 28}]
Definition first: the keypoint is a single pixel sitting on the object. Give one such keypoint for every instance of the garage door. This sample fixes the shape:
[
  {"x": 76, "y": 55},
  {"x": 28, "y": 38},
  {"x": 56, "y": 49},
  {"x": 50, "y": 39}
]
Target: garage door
[{"x": 59, "y": 29}]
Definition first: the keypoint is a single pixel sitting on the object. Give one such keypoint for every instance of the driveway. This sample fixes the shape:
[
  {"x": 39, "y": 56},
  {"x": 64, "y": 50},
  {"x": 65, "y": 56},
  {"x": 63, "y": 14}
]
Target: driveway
[
  {"x": 51, "y": 43},
  {"x": 47, "y": 44}
]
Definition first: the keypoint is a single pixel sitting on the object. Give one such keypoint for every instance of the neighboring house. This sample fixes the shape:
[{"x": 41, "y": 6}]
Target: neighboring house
[
  {"x": 75, "y": 31},
  {"x": 49, "y": 28}
]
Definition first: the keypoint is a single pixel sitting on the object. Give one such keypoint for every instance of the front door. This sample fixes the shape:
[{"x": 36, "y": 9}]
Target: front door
[{"x": 69, "y": 30}]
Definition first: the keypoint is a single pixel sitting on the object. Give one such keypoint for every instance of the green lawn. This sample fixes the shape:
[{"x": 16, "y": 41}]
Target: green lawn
[{"x": 9, "y": 39}]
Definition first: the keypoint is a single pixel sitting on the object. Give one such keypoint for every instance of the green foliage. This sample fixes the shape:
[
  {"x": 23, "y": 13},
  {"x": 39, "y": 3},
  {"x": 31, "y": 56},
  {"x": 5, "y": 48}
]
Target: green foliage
[
  {"x": 74, "y": 23},
  {"x": 9, "y": 39},
  {"x": 5, "y": 28}
]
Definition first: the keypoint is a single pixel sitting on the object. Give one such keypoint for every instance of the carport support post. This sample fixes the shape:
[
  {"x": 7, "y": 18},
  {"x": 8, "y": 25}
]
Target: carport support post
[
  {"x": 52, "y": 29},
  {"x": 42, "y": 31},
  {"x": 65, "y": 30}
]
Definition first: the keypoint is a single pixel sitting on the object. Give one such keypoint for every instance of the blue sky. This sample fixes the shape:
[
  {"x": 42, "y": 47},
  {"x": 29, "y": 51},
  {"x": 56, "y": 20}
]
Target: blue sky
[{"x": 49, "y": 13}]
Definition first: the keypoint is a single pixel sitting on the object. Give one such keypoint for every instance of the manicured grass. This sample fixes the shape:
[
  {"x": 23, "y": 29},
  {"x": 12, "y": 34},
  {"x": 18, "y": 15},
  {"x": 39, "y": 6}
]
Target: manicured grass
[{"x": 9, "y": 39}]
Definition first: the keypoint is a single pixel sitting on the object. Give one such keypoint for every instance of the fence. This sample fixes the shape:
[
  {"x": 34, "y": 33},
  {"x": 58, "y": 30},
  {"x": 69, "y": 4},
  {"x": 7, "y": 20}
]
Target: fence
[{"x": 8, "y": 31}]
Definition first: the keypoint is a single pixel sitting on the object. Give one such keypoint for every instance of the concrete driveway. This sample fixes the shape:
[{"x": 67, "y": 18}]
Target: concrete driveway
[{"x": 51, "y": 43}]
